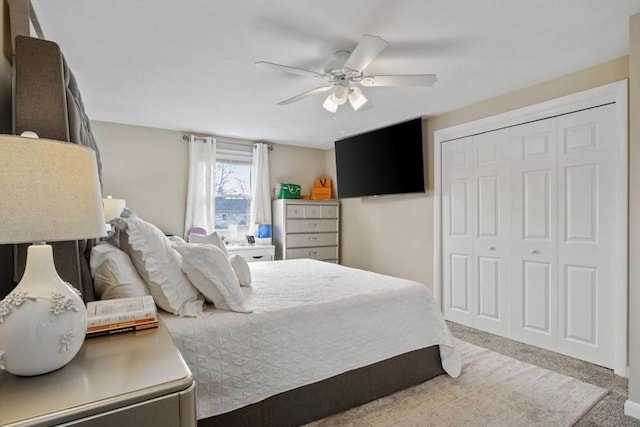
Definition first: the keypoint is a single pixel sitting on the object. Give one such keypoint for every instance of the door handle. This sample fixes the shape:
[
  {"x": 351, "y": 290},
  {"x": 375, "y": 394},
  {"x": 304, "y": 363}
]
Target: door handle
[{"x": 534, "y": 251}]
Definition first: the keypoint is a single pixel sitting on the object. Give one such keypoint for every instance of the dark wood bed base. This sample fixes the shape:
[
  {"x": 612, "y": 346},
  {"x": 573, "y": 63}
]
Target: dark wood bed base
[{"x": 336, "y": 394}]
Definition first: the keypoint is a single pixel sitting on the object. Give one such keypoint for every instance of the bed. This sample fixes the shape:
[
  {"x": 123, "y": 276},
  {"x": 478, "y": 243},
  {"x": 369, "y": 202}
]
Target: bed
[
  {"x": 310, "y": 321},
  {"x": 320, "y": 337}
]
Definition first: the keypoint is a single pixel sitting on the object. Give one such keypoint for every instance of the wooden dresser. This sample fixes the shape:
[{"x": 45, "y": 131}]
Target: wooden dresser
[{"x": 306, "y": 229}]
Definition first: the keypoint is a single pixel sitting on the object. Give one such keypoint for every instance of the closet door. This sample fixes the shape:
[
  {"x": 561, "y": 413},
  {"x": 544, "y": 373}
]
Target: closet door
[
  {"x": 457, "y": 244},
  {"x": 534, "y": 233},
  {"x": 476, "y": 226},
  {"x": 491, "y": 232},
  {"x": 586, "y": 234}
]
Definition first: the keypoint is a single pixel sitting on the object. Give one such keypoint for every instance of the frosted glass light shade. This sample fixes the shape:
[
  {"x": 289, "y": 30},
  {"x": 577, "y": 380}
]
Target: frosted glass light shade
[
  {"x": 329, "y": 105},
  {"x": 50, "y": 191},
  {"x": 357, "y": 98},
  {"x": 113, "y": 207}
]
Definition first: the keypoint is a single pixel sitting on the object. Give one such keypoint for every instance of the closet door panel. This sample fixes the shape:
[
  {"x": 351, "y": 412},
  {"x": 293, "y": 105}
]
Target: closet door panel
[
  {"x": 586, "y": 220},
  {"x": 491, "y": 243},
  {"x": 457, "y": 241},
  {"x": 533, "y": 233}
]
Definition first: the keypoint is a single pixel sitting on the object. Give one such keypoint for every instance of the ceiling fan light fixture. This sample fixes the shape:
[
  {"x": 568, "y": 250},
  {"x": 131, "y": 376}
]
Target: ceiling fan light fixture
[
  {"x": 339, "y": 95},
  {"x": 329, "y": 104},
  {"x": 357, "y": 98}
]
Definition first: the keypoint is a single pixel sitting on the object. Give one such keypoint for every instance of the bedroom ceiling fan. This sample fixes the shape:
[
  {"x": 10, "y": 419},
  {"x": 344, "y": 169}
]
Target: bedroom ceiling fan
[{"x": 345, "y": 72}]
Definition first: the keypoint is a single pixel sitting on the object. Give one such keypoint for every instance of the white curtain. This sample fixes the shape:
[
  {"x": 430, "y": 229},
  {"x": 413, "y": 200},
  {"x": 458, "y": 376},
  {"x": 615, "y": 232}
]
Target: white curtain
[
  {"x": 261, "y": 185},
  {"x": 201, "y": 195}
]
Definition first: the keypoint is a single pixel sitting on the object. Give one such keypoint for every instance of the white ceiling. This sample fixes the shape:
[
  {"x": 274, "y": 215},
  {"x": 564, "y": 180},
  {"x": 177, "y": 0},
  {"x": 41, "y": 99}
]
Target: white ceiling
[{"x": 188, "y": 65}]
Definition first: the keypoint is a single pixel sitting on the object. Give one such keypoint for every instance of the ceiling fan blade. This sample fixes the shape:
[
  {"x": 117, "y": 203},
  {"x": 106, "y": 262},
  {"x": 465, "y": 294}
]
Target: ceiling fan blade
[
  {"x": 305, "y": 94},
  {"x": 291, "y": 70},
  {"x": 366, "y": 51},
  {"x": 399, "y": 80}
]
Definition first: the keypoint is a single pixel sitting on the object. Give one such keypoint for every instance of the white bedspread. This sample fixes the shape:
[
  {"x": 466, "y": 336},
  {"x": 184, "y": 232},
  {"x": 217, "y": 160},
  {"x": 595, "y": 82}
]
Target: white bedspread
[{"x": 311, "y": 320}]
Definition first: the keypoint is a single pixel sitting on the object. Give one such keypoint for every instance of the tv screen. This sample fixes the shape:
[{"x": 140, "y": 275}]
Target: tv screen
[{"x": 382, "y": 161}]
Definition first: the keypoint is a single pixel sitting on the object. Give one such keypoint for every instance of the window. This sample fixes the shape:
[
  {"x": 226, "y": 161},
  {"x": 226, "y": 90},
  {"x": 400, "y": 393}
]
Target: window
[{"x": 233, "y": 189}]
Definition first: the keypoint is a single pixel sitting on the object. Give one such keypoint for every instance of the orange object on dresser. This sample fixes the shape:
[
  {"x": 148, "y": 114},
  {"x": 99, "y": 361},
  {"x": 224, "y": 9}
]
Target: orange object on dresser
[{"x": 321, "y": 189}]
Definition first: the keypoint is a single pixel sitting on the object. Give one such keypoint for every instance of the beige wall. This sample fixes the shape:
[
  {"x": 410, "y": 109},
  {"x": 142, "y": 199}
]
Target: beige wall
[
  {"x": 148, "y": 168},
  {"x": 297, "y": 165},
  {"x": 634, "y": 211}
]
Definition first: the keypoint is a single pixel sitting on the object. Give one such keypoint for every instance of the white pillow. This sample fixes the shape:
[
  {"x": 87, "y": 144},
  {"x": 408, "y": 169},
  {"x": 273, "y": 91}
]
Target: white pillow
[
  {"x": 241, "y": 268},
  {"x": 212, "y": 239},
  {"x": 210, "y": 271},
  {"x": 159, "y": 265},
  {"x": 114, "y": 275}
]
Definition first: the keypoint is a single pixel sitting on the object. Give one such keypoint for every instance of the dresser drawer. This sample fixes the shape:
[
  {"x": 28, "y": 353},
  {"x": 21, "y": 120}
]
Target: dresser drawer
[
  {"x": 253, "y": 253},
  {"x": 312, "y": 225},
  {"x": 312, "y": 211},
  {"x": 295, "y": 211},
  {"x": 325, "y": 253},
  {"x": 305, "y": 240},
  {"x": 329, "y": 211}
]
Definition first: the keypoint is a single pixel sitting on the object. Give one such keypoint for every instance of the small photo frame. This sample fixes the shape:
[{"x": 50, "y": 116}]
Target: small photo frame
[{"x": 251, "y": 240}]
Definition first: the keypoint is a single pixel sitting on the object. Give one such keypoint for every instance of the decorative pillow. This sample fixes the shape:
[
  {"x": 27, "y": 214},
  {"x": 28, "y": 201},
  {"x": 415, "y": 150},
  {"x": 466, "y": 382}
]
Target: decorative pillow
[
  {"x": 210, "y": 271},
  {"x": 114, "y": 275},
  {"x": 241, "y": 268},
  {"x": 159, "y": 265},
  {"x": 212, "y": 239},
  {"x": 176, "y": 240}
]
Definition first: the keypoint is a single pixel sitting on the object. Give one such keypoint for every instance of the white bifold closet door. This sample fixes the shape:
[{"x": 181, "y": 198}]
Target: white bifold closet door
[
  {"x": 528, "y": 232},
  {"x": 476, "y": 222}
]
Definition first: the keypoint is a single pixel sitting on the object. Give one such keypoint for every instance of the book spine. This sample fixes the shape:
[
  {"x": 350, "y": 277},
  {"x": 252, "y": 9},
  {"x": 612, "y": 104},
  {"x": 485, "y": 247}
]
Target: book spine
[
  {"x": 122, "y": 324},
  {"x": 113, "y": 318},
  {"x": 119, "y": 330}
]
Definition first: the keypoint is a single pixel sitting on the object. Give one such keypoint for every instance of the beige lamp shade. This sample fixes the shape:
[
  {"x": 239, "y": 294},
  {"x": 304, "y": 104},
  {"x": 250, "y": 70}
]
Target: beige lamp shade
[
  {"x": 113, "y": 207},
  {"x": 49, "y": 191}
]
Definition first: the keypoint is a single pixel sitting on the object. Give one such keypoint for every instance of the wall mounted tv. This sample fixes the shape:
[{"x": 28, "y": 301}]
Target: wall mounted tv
[{"x": 383, "y": 161}]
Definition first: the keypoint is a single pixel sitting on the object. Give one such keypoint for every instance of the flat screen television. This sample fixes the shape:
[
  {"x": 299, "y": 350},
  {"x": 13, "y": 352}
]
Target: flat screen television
[{"x": 383, "y": 161}]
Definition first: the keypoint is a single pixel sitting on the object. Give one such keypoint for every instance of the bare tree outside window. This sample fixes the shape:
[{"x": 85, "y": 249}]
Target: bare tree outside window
[{"x": 233, "y": 196}]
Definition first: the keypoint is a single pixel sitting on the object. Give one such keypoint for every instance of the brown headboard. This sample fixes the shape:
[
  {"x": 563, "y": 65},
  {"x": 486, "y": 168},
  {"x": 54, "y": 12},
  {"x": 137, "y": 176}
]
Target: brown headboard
[{"x": 46, "y": 100}]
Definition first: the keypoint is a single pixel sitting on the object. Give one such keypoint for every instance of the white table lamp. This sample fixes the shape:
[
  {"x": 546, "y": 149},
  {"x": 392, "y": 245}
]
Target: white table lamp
[
  {"x": 112, "y": 208},
  {"x": 49, "y": 191}
]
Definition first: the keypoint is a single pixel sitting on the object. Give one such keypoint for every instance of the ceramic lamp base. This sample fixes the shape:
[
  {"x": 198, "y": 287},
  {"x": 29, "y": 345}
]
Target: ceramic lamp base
[{"x": 43, "y": 321}]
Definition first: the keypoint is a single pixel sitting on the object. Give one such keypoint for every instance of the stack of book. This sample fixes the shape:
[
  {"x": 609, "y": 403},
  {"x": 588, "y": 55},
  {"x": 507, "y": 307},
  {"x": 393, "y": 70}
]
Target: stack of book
[{"x": 114, "y": 316}]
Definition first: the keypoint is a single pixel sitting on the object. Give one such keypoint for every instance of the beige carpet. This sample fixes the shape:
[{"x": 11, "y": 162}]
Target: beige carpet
[{"x": 492, "y": 390}]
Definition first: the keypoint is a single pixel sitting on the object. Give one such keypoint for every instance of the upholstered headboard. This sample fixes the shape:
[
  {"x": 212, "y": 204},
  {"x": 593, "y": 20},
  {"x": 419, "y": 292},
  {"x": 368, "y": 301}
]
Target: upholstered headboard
[{"x": 47, "y": 101}]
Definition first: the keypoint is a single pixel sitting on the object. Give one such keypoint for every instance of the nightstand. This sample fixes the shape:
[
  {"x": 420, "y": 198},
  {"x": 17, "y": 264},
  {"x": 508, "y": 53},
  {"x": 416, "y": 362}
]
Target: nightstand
[
  {"x": 129, "y": 379},
  {"x": 253, "y": 253}
]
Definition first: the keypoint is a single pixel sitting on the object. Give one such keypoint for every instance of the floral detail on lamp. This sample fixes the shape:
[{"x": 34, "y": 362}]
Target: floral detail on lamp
[
  {"x": 61, "y": 302},
  {"x": 13, "y": 299},
  {"x": 66, "y": 341}
]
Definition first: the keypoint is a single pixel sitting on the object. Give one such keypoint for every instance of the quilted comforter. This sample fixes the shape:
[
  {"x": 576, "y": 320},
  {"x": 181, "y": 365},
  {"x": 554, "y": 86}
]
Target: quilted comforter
[{"x": 311, "y": 320}]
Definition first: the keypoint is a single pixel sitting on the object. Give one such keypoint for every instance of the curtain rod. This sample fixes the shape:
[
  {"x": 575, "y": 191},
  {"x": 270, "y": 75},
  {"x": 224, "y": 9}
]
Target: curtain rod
[{"x": 186, "y": 138}]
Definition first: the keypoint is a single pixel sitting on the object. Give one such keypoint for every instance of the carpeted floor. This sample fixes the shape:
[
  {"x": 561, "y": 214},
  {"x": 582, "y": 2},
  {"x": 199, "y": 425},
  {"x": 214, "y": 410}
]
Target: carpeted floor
[
  {"x": 609, "y": 411},
  {"x": 492, "y": 390}
]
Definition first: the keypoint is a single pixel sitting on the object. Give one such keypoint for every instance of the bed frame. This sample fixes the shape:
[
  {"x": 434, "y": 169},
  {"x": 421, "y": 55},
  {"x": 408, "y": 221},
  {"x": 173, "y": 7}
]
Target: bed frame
[{"x": 47, "y": 101}]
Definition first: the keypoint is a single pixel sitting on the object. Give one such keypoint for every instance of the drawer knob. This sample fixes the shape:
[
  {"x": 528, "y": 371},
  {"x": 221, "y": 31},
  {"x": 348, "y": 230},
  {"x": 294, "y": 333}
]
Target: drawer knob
[
  {"x": 313, "y": 239},
  {"x": 313, "y": 225},
  {"x": 313, "y": 253}
]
